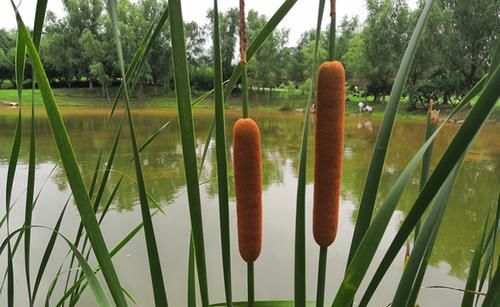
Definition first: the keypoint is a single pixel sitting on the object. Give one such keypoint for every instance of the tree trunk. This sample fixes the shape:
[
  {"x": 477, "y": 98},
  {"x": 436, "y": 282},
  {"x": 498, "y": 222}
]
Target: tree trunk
[
  {"x": 469, "y": 78},
  {"x": 91, "y": 83}
]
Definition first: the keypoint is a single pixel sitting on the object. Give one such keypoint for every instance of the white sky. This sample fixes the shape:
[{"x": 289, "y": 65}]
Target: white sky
[{"x": 301, "y": 17}]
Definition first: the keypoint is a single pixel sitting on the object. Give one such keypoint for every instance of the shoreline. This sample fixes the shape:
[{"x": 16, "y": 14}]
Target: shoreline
[{"x": 294, "y": 104}]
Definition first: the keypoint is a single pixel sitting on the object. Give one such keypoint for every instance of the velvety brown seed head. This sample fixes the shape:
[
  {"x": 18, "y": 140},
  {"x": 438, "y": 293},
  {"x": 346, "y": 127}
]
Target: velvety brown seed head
[
  {"x": 328, "y": 150},
  {"x": 248, "y": 185}
]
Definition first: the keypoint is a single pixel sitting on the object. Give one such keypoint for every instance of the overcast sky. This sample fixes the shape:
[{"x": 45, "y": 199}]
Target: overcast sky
[{"x": 302, "y": 16}]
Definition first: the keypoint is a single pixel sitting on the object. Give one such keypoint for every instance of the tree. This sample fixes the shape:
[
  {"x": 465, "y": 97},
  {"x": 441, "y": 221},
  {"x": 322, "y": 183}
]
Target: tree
[
  {"x": 7, "y": 55},
  {"x": 348, "y": 28},
  {"x": 228, "y": 24},
  {"x": 268, "y": 68},
  {"x": 455, "y": 50},
  {"x": 385, "y": 37},
  {"x": 470, "y": 30}
]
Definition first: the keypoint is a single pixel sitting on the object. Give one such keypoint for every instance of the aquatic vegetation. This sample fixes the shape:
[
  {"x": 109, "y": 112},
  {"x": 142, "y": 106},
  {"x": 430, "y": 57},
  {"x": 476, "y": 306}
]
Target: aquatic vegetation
[{"x": 370, "y": 226}]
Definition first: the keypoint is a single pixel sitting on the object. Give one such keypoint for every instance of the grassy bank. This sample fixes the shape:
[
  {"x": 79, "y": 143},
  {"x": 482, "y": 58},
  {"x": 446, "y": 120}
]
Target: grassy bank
[{"x": 278, "y": 100}]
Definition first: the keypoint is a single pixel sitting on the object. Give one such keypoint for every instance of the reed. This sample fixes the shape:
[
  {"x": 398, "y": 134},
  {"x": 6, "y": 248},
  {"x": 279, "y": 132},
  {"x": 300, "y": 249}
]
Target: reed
[
  {"x": 248, "y": 187},
  {"x": 328, "y": 152},
  {"x": 247, "y": 154}
]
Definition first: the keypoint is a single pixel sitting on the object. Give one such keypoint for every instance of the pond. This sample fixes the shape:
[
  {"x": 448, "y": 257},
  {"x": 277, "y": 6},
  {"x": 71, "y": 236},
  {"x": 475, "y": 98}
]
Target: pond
[{"x": 475, "y": 189}]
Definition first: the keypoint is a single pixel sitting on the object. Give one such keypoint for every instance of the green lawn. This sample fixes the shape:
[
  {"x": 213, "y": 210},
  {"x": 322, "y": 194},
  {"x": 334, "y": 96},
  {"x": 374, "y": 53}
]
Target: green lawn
[{"x": 281, "y": 99}]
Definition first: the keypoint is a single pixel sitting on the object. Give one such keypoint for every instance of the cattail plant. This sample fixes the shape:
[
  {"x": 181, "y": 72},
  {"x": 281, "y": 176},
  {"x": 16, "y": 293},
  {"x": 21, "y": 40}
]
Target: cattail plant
[
  {"x": 248, "y": 186},
  {"x": 328, "y": 150}
]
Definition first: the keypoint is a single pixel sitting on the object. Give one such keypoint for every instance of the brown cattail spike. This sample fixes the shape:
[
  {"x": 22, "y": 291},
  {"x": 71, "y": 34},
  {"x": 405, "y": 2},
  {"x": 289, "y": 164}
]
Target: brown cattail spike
[
  {"x": 329, "y": 143},
  {"x": 248, "y": 183}
]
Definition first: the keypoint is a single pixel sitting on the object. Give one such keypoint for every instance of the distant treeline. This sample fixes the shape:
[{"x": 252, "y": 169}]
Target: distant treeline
[{"x": 78, "y": 49}]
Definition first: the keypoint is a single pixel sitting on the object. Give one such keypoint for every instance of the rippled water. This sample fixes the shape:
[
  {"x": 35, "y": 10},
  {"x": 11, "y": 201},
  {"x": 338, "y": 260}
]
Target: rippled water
[{"x": 474, "y": 190}]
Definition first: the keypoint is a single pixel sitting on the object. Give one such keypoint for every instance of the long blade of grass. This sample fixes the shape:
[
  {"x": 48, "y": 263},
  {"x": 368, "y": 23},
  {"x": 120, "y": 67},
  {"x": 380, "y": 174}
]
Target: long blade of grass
[
  {"x": 221, "y": 149},
  {"x": 300, "y": 214},
  {"x": 493, "y": 295},
  {"x": 183, "y": 95},
  {"x": 404, "y": 179},
  {"x": 19, "y": 237},
  {"x": 75, "y": 295},
  {"x": 457, "y": 147},
  {"x": 114, "y": 251},
  {"x": 30, "y": 193},
  {"x": 471, "y": 283},
  {"x": 110, "y": 200},
  {"x": 191, "y": 286},
  {"x": 41, "y": 8},
  {"x": 153, "y": 255},
  {"x": 71, "y": 167},
  {"x": 20, "y": 61},
  {"x": 48, "y": 252},
  {"x": 486, "y": 265},
  {"x": 98, "y": 197},
  {"x": 424, "y": 242},
  {"x": 430, "y": 127},
  {"x": 372, "y": 182},
  {"x": 97, "y": 290}
]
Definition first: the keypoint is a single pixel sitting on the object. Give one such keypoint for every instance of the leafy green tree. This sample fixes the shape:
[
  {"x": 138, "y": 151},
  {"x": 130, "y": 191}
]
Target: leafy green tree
[
  {"x": 470, "y": 31},
  {"x": 7, "y": 54},
  {"x": 268, "y": 69},
  {"x": 229, "y": 24},
  {"x": 455, "y": 50},
  {"x": 385, "y": 37},
  {"x": 347, "y": 28}
]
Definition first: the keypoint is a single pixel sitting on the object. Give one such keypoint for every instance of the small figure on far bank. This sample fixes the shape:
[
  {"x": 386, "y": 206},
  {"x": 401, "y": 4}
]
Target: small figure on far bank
[{"x": 364, "y": 108}]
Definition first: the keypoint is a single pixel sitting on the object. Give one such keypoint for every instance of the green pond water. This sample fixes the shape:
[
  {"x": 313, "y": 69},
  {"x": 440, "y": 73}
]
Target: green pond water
[{"x": 476, "y": 187}]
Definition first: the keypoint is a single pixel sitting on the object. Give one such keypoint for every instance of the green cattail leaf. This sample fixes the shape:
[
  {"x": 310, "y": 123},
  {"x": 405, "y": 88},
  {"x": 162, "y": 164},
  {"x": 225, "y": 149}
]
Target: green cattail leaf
[
  {"x": 300, "y": 214},
  {"x": 372, "y": 182},
  {"x": 191, "y": 285},
  {"x": 48, "y": 252},
  {"x": 152, "y": 248},
  {"x": 71, "y": 167},
  {"x": 458, "y": 146},
  {"x": 471, "y": 283},
  {"x": 424, "y": 244},
  {"x": 183, "y": 94},
  {"x": 385, "y": 264},
  {"x": 97, "y": 290},
  {"x": 221, "y": 150}
]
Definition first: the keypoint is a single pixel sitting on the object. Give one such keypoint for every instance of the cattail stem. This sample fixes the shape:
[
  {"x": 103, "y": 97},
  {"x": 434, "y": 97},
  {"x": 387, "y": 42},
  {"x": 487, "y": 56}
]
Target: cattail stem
[
  {"x": 320, "y": 293},
  {"x": 247, "y": 163},
  {"x": 244, "y": 90},
  {"x": 332, "y": 37},
  {"x": 250, "y": 285},
  {"x": 243, "y": 58},
  {"x": 328, "y": 151},
  {"x": 426, "y": 160}
]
